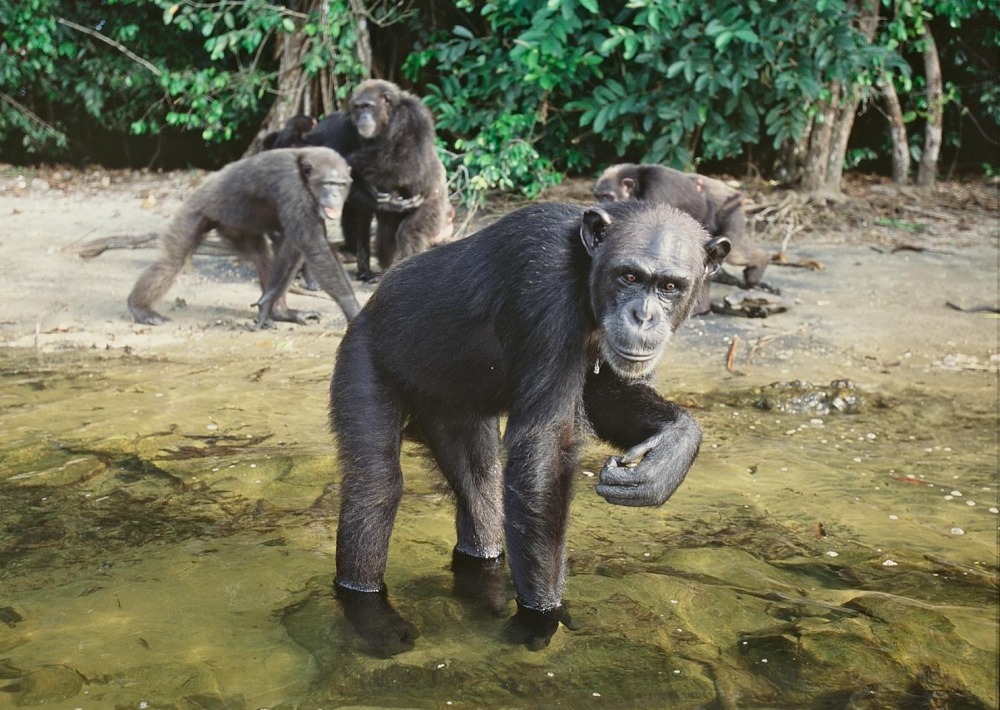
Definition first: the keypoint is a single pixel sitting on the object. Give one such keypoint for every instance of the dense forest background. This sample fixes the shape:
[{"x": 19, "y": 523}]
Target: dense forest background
[{"x": 523, "y": 92}]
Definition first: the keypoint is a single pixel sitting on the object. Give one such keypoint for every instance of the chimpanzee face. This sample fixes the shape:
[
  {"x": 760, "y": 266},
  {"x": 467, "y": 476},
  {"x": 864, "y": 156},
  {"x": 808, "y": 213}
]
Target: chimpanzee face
[
  {"x": 371, "y": 107},
  {"x": 646, "y": 273},
  {"x": 328, "y": 178}
]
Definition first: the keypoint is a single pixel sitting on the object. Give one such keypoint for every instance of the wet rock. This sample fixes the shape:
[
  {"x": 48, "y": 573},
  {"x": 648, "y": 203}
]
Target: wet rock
[
  {"x": 9, "y": 616},
  {"x": 46, "y": 685},
  {"x": 800, "y": 397}
]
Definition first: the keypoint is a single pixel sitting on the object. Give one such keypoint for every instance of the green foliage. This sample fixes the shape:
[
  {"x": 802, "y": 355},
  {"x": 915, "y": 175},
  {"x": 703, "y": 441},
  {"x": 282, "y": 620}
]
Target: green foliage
[
  {"x": 523, "y": 91},
  {"x": 497, "y": 96},
  {"x": 972, "y": 49},
  {"x": 660, "y": 82},
  {"x": 713, "y": 78},
  {"x": 53, "y": 74},
  {"x": 233, "y": 78}
]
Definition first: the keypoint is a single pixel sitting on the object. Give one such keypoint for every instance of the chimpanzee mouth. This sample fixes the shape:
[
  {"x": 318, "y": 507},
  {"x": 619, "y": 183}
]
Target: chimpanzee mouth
[
  {"x": 331, "y": 213},
  {"x": 632, "y": 356}
]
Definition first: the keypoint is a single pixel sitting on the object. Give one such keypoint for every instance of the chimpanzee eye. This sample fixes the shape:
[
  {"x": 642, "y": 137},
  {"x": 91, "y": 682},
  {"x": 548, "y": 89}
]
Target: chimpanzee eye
[
  {"x": 669, "y": 287},
  {"x": 630, "y": 278}
]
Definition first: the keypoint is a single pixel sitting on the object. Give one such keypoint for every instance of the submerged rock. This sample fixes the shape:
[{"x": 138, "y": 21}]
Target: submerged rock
[{"x": 801, "y": 397}]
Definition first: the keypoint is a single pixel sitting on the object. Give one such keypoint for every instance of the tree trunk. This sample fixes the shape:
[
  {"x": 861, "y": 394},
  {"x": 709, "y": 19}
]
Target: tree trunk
[
  {"x": 897, "y": 129},
  {"x": 360, "y": 13},
  {"x": 832, "y": 126},
  {"x": 820, "y": 137},
  {"x": 927, "y": 172},
  {"x": 316, "y": 94},
  {"x": 846, "y": 112}
]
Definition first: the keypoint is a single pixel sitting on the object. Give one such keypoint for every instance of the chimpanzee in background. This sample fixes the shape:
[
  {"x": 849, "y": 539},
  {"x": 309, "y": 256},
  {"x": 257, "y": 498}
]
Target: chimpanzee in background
[
  {"x": 716, "y": 205},
  {"x": 292, "y": 135},
  {"x": 555, "y": 315},
  {"x": 288, "y": 191},
  {"x": 397, "y": 175}
]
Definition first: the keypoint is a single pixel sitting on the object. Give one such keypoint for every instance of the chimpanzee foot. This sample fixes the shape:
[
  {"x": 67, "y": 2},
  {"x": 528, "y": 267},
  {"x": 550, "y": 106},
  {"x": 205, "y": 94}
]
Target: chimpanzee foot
[
  {"x": 767, "y": 287},
  {"x": 148, "y": 317},
  {"x": 374, "y": 619},
  {"x": 480, "y": 580},
  {"x": 535, "y": 628},
  {"x": 290, "y": 315}
]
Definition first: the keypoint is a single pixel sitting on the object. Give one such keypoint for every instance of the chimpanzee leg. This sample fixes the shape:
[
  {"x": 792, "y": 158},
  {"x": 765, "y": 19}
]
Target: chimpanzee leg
[
  {"x": 367, "y": 419},
  {"x": 386, "y": 236},
  {"x": 275, "y": 285},
  {"x": 468, "y": 454},
  {"x": 355, "y": 224},
  {"x": 537, "y": 490}
]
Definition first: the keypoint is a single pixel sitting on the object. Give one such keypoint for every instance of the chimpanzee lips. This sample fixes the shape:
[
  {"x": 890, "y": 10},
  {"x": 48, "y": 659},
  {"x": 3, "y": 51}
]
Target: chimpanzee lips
[
  {"x": 634, "y": 356},
  {"x": 331, "y": 213}
]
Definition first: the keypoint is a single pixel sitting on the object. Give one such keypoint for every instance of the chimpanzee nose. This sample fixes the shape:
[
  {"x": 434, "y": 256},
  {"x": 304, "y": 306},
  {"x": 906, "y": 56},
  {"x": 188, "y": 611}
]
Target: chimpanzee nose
[{"x": 644, "y": 313}]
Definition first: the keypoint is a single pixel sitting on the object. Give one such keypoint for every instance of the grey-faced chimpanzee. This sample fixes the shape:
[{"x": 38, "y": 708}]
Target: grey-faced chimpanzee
[
  {"x": 288, "y": 191},
  {"x": 397, "y": 176},
  {"x": 292, "y": 135},
  {"x": 555, "y": 315},
  {"x": 716, "y": 205}
]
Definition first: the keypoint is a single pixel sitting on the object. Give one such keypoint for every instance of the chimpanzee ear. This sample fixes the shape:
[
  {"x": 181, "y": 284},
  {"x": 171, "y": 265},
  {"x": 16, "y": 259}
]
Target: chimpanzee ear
[
  {"x": 716, "y": 251},
  {"x": 305, "y": 168},
  {"x": 595, "y": 222},
  {"x": 629, "y": 185}
]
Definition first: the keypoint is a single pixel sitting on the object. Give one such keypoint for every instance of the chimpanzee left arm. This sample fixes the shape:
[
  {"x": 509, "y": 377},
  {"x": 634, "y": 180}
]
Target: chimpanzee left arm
[{"x": 661, "y": 439}]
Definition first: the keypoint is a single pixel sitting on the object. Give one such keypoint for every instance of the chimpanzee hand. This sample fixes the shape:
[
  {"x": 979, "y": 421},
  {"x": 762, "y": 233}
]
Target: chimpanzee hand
[
  {"x": 480, "y": 580},
  {"x": 646, "y": 474},
  {"x": 535, "y": 628},
  {"x": 375, "y": 620},
  {"x": 390, "y": 202}
]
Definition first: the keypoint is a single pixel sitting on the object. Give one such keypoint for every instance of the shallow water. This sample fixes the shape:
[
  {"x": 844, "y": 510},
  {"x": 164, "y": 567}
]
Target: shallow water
[{"x": 159, "y": 544}]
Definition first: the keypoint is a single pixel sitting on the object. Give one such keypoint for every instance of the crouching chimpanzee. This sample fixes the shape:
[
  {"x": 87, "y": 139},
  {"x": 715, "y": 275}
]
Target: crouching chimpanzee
[
  {"x": 555, "y": 315},
  {"x": 716, "y": 205},
  {"x": 288, "y": 191}
]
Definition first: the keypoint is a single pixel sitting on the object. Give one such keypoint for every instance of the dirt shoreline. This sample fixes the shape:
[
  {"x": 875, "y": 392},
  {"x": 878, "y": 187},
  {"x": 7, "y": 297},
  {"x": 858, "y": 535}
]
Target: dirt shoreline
[{"x": 867, "y": 301}]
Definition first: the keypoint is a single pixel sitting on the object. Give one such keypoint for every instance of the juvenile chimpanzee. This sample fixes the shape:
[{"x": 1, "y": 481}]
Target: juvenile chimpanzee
[
  {"x": 288, "y": 191},
  {"x": 397, "y": 176},
  {"x": 716, "y": 205},
  {"x": 555, "y": 315},
  {"x": 292, "y": 135}
]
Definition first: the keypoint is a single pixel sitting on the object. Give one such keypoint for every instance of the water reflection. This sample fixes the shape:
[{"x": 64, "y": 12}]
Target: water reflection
[{"x": 159, "y": 544}]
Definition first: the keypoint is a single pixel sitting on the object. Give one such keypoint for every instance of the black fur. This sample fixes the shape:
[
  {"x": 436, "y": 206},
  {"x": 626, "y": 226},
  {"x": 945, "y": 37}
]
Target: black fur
[
  {"x": 397, "y": 175},
  {"x": 513, "y": 320},
  {"x": 292, "y": 135}
]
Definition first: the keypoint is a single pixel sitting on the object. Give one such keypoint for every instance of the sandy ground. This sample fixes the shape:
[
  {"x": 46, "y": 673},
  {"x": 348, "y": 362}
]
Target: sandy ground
[{"x": 866, "y": 302}]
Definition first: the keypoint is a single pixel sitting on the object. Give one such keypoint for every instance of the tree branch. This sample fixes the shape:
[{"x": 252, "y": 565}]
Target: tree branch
[{"x": 117, "y": 45}]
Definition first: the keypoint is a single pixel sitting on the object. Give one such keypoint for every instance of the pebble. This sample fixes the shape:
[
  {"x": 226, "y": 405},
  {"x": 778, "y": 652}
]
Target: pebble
[
  {"x": 890, "y": 563},
  {"x": 831, "y": 553},
  {"x": 957, "y": 531}
]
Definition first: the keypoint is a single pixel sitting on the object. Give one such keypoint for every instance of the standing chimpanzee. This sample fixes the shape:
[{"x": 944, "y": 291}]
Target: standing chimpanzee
[
  {"x": 288, "y": 191},
  {"x": 555, "y": 315},
  {"x": 716, "y": 205},
  {"x": 397, "y": 175},
  {"x": 292, "y": 135}
]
